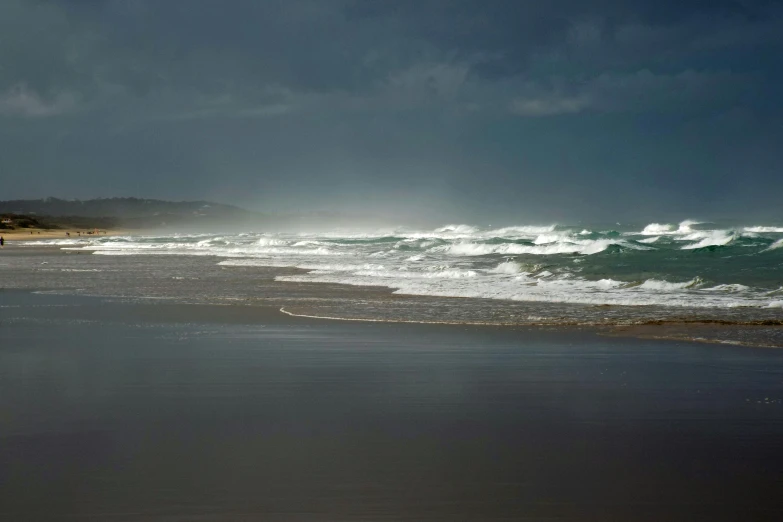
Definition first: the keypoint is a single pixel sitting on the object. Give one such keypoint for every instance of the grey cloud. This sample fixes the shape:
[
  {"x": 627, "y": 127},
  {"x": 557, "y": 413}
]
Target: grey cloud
[
  {"x": 552, "y": 105},
  {"x": 113, "y": 51},
  {"x": 636, "y": 92},
  {"x": 282, "y": 102},
  {"x": 429, "y": 80},
  {"x": 19, "y": 100},
  {"x": 517, "y": 36}
]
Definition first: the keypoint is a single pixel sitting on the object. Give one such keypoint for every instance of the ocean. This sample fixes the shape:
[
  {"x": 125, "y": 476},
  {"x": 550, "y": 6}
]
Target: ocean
[{"x": 552, "y": 274}]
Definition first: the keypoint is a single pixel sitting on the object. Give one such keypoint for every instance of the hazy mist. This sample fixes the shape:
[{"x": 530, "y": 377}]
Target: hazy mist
[{"x": 501, "y": 111}]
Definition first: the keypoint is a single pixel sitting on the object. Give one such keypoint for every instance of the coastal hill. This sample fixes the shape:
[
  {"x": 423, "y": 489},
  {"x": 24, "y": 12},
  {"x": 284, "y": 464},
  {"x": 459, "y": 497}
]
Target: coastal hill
[
  {"x": 134, "y": 213},
  {"x": 182, "y": 216}
]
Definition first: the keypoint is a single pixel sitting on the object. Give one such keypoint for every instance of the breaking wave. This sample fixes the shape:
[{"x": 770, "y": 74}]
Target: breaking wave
[
  {"x": 666, "y": 286},
  {"x": 708, "y": 238},
  {"x": 657, "y": 229},
  {"x": 689, "y": 264},
  {"x": 764, "y": 230},
  {"x": 777, "y": 244}
]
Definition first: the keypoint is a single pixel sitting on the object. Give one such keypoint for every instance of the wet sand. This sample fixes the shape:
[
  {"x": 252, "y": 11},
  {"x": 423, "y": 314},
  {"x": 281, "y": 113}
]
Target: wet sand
[
  {"x": 34, "y": 234},
  {"x": 199, "y": 279},
  {"x": 121, "y": 410},
  {"x": 755, "y": 335}
]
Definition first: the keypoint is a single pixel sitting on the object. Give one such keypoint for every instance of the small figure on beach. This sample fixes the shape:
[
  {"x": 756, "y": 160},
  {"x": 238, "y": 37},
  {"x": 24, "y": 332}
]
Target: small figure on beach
[{"x": 2, "y": 241}]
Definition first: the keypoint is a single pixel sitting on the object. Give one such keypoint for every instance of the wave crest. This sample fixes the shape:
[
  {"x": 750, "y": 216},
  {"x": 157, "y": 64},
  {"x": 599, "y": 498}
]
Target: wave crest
[{"x": 666, "y": 286}]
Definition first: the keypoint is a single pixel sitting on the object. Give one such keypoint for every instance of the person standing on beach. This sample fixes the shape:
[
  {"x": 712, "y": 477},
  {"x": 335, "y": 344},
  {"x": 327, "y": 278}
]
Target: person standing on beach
[{"x": 2, "y": 241}]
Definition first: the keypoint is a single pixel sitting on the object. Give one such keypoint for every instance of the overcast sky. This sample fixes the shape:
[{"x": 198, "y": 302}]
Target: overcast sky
[{"x": 516, "y": 111}]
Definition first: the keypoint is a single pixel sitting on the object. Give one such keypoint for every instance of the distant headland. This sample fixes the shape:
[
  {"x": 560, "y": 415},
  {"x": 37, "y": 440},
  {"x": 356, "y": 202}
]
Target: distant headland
[
  {"x": 55, "y": 216},
  {"x": 50, "y": 215}
]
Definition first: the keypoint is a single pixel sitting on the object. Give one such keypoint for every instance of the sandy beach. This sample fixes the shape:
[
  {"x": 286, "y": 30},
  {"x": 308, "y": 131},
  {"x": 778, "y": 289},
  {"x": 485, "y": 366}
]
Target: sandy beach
[
  {"x": 201, "y": 279},
  {"x": 152, "y": 410},
  {"x": 174, "y": 383},
  {"x": 32, "y": 234}
]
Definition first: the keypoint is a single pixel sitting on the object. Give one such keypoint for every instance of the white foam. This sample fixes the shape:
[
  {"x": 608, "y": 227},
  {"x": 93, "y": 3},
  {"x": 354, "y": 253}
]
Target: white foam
[
  {"x": 582, "y": 284},
  {"x": 54, "y": 242},
  {"x": 520, "y": 231},
  {"x": 728, "y": 288},
  {"x": 471, "y": 232},
  {"x": 656, "y": 229},
  {"x": 666, "y": 286},
  {"x": 764, "y": 230},
  {"x": 404, "y": 274},
  {"x": 708, "y": 238},
  {"x": 544, "y": 289},
  {"x": 774, "y": 246},
  {"x": 457, "y": 229},
  {"x": 574, "y": 246},
  {"x": 270, "y": 241},
  {"x": 453, "y": 261},
  {"x": 508, "y": 267},
  {"x": 544, "y": 239},
  {"x": 247, "y": 262}
]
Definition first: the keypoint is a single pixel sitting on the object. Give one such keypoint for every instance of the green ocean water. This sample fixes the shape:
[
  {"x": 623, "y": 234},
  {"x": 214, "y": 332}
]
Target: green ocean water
[{"x": 680, "y": 267}]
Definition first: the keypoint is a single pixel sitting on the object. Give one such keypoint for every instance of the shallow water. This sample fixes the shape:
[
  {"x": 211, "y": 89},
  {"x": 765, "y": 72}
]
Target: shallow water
[
  {"x": 125, "y": 411},
  {"x": 204, "y": 279},
  {"x": 687, "y": 267}
]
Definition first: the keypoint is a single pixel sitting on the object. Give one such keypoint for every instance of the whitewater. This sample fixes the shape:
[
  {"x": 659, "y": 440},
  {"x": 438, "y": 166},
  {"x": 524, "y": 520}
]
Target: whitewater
[{"x": 686, "y": 265}]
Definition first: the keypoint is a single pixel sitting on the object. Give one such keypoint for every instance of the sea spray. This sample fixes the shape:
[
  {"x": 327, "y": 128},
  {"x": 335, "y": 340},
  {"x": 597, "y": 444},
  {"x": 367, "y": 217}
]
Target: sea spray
[{"x": 683, "y": 265}]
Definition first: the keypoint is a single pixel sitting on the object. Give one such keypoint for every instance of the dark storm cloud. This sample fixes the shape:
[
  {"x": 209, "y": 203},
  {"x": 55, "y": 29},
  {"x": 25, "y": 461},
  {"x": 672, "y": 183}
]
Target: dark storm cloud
[{"x": 445, "y": 104}]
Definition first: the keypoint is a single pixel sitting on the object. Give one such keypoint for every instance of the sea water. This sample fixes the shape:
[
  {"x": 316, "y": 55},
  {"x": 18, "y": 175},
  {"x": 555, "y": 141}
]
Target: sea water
[{"x": 682, "y": 268}]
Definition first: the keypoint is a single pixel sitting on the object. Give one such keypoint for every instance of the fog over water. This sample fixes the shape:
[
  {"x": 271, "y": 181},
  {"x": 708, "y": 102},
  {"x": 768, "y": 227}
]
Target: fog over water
[{"x": 466, "y": 112}]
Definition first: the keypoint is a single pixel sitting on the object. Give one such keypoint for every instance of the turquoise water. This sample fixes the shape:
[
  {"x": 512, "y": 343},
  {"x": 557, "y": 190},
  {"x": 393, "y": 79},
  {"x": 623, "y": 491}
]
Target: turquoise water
[{"x": 685, "y": 266}]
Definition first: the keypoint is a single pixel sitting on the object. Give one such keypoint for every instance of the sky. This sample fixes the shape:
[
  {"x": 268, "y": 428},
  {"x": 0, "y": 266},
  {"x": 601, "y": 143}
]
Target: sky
[{"x": 483, "y": 111}]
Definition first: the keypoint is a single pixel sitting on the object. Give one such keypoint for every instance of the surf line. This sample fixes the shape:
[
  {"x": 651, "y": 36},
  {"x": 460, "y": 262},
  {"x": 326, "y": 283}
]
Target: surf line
[{"x": 402, "y": 321}]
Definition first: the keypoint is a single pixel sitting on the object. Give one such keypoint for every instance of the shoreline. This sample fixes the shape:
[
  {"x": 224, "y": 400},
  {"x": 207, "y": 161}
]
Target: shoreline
[
  {"x": 194, "y": 409},
  {"x": 171, "y": 311},
  {"x": 166, "y": 311},
  {"x": 40, "y": 266},
  {"x": 34, "y": 234},
  {"x": 684, "y": 330}
]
